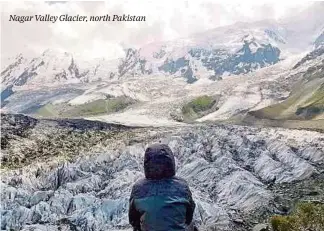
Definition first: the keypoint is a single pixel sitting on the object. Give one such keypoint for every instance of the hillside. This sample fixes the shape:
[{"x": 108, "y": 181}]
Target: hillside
[{"x": 306, "y": 100}]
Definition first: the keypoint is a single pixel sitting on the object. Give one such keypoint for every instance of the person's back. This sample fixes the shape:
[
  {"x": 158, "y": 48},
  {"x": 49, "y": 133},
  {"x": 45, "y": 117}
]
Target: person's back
[{"x": 161, "y": 201}]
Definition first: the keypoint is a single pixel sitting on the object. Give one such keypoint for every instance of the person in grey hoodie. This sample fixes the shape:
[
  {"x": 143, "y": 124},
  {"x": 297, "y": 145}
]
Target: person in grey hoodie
[{"x": 161, "y": 201}]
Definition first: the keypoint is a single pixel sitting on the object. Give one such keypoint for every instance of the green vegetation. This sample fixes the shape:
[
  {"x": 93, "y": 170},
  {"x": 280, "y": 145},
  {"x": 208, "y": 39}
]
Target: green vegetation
[
  {"x": 303, "y": 109},
  {"x": 198, "y": 107},
  {"x": 307, "y": 216},
  {"x": 313, "y": 106},
  {"x": 317, "y": 99},
  {"x": 250, "y": 120},
  {"x": 47, "y": 110},
  {"x": 97, "y": 107},
  {"x": 306, "y": 102}
]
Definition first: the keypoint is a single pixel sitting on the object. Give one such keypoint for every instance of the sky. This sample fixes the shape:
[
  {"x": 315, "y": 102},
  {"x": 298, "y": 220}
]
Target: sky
[{"x": 165, "y": 20}]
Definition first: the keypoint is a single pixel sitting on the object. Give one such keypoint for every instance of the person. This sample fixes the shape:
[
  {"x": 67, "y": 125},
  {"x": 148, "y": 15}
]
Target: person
[{"x": 160, "y": 201}]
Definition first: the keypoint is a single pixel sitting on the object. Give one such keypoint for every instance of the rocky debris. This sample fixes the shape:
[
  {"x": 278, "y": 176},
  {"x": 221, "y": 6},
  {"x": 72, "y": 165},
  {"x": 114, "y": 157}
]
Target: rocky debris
[
  {"x": 177, "y": 115},
  {"x": 239, "y": 176},
  {"x": 261, "y": 227},
  {"x": 13, "y": 126},
  {"x": 25, "y": 139}
]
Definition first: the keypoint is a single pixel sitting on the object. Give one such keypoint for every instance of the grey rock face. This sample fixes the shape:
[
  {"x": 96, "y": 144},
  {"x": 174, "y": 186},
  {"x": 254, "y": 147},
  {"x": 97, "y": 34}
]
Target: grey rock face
[
  {"x": 232, "y": 172},
  {"x": 133, "y": 64},
  {"x": 181, "y": 65},
  {"x": 311, "y": 56},
  {"x": 240, "y": 62},
  {"x": 5, "y": 94}
]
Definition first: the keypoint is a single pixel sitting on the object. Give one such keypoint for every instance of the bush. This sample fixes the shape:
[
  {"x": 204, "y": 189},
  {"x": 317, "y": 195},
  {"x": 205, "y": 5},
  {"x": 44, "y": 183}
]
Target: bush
[{"x": 307, "y": 216}]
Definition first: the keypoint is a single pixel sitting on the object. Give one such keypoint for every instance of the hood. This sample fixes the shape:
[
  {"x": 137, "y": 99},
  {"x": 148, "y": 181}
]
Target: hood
[{"x": 159, "y": 162}]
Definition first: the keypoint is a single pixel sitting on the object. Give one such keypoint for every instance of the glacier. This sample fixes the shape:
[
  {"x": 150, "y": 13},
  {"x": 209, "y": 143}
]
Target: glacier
[{"x": 235, "y": 173}]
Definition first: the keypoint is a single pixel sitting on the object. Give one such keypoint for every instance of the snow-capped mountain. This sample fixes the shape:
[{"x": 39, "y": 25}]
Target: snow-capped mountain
[
  {"x": 51, "y": 67},
  {"x": 237, "y": 49}
]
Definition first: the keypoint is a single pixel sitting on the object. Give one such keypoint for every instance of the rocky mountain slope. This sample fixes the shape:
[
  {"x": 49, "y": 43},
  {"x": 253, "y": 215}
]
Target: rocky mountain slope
[
  {"x": 306, "y": 99},
  {"x": 239, "y": 175}
]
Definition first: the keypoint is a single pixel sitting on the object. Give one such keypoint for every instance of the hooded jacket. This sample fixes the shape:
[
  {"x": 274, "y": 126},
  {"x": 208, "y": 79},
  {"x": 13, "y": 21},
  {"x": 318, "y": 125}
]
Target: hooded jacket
[{"x": 161, "y": 201}]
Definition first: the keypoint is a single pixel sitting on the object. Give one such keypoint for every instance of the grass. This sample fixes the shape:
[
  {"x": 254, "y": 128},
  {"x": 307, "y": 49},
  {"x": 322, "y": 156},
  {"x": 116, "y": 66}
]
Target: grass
[
  {"x": 317, "y": 98},
  {"x": 97, "y": 107},
  {"x": 314, "y": 105},
  {"x": 196, "y": 107},
  {"x": 307, "y": 216},
  {"x": 47, "y": 110}
]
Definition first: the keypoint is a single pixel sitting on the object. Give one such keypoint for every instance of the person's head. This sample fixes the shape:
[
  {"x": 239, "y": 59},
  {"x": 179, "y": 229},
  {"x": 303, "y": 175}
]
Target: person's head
[{"x": 159, "y": 162}]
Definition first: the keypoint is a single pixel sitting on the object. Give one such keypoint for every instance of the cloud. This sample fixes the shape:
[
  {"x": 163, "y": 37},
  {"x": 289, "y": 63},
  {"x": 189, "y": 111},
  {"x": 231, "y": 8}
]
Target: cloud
[{"x": 165, "y": 20}]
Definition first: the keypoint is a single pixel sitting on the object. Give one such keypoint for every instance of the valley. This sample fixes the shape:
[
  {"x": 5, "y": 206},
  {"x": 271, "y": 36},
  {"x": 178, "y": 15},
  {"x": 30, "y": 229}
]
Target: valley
[{"x": 241, "y": 106}]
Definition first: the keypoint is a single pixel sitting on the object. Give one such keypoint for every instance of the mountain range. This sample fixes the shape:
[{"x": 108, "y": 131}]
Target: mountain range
[{"x": 226, "y": 63}]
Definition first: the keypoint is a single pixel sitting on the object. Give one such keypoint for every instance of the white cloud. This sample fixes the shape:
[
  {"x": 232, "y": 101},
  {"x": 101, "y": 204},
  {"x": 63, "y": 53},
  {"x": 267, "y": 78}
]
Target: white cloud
[{"x": 165, "y": 20}]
